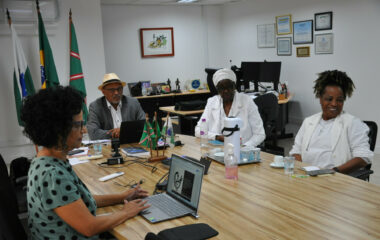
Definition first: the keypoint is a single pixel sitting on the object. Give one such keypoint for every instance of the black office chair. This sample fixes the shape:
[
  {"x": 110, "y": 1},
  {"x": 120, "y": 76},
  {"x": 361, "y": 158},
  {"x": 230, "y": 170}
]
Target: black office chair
[
  {"x": 18, "y": 174},
  {"x": 210, "y": 73},
  {"x": 372, "y": 135},
  {"x": 268, "y": 107},
  {"x": 11, "y": 227}
]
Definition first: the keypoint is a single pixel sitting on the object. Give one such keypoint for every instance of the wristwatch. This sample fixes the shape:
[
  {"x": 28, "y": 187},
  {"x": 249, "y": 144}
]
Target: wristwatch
[{"x": 335, "y": 169}]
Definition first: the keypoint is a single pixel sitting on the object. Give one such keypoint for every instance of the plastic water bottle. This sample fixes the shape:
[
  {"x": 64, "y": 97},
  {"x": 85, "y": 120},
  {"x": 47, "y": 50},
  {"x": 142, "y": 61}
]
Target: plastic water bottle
[
  {"x": 204, "y": 139},
  {"x": 231, "y": 163},
  {"x": 143, "y": 90}
]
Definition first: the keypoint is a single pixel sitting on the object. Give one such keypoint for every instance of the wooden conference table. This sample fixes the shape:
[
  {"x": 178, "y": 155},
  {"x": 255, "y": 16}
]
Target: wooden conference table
[{"x": 263, "y": 204}]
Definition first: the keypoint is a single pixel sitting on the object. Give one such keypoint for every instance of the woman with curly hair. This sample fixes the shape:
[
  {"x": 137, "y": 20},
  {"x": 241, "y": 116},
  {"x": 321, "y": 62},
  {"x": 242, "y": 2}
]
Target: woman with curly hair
[
  {"x": 59, "y": 204},
  {"x": 333, "y": 138}
]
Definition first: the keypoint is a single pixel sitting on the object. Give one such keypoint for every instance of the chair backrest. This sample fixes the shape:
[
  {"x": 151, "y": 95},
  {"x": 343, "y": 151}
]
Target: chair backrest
[
  {"x": 372, "y": 134},
  {"x": 19, "y": 168},
  {"x": 11, "y": 227},
  {"x": 268, "y": 107}
]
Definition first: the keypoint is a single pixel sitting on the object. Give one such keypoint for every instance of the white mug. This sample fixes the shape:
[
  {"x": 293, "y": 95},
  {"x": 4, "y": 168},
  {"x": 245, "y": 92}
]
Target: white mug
[{"x": 278, "y": 159}]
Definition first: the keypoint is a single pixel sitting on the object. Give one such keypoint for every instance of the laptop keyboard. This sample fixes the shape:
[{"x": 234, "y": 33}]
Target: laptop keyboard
[{"x": 168, "y": 205}]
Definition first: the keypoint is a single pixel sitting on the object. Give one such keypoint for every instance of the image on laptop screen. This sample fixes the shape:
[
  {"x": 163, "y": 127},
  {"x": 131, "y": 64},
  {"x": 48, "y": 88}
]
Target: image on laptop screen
[{"x": 185, "y": 181}]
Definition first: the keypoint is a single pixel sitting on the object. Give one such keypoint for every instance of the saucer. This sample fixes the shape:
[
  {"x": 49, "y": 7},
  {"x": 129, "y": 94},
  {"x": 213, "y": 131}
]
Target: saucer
[{"x": 277, "y": 165}]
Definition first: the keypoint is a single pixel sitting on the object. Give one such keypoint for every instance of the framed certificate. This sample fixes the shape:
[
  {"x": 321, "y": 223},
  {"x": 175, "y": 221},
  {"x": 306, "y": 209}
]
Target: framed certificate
[
  {"x": 303, "y": 51},
  {"x": 284, "y": 46},
  {"x": 284, "y": 24},
  {"x": 324, "y": 43},
  {"x": 323, "y": 21},
  {"x": 265, "y": 36},
  {"x": 303, "y": 32}
]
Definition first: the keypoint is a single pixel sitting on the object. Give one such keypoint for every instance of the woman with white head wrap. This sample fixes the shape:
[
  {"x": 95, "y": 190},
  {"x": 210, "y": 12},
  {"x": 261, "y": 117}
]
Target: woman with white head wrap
[{"x": 229, "y": 103}]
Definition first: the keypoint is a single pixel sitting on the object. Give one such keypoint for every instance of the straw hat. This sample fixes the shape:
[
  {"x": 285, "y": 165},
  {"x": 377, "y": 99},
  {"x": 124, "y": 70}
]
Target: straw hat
[
  {"x": 222, "y": 74},
  {"x": 110, "y": 78}
]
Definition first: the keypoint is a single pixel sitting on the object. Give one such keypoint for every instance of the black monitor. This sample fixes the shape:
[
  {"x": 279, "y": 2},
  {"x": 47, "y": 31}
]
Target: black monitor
[{"x": 257, "y": 72}]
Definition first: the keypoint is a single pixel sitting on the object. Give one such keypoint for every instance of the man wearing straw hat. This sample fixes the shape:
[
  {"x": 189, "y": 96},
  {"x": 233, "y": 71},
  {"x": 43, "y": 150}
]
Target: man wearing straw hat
[{"x": 106, "y": 113}]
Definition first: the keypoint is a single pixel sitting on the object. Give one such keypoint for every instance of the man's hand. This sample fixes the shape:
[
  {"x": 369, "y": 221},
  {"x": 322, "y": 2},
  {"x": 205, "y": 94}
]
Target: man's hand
[{"x": 115, "y": 132}]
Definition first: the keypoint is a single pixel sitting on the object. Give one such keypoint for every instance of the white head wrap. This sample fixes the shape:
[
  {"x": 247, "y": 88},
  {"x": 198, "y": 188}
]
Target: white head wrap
[{"x": 222, "y": 74}]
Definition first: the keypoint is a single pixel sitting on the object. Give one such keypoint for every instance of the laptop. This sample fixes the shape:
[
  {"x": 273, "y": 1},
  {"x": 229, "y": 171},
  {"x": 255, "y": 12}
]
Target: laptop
[
  {"x": 219, "y": 157},
  {"x": 182, "y": 194},
  {"x": 131, "y": 131}
]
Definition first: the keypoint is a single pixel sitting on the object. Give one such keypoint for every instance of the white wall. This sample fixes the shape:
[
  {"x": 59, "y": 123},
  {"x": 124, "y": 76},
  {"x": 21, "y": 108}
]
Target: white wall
[
  {"x": 88, "y": 25},
  {"x": 356, "y": 49},
  {"x": 121, "y": 24}
]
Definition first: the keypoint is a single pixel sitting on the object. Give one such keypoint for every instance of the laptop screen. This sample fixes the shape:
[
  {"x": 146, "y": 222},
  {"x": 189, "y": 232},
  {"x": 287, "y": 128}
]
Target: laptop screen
[
  {"x": 131, "y": 131},
  {"x": 185, "y": 180}
]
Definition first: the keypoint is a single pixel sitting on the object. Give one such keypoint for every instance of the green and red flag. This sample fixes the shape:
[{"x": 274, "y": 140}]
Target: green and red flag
[
  {"x": 76, "y": 73},
  {"x": 49, "y": 77},
  {"x": 148, "y": 136}
]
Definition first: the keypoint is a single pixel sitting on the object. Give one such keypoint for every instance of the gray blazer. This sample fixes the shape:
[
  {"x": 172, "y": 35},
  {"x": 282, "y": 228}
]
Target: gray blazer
[{"x": 100, "y": 118}]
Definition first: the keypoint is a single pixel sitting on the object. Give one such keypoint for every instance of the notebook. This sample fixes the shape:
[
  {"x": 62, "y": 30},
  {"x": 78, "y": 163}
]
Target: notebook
[
  {"x": 131, "y": 131},
  {"x": 182, "y": 193}
]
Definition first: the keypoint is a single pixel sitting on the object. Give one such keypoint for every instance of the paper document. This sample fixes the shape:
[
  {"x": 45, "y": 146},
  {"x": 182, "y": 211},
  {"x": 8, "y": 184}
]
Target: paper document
[
  {"x": 75, "y": 161},
  {"x": 310, "y": 168},
  {"x": 88, "y": 142}
]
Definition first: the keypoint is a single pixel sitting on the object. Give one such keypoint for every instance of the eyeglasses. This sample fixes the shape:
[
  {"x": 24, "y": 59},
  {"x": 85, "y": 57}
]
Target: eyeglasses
[
  {"x": 119, "y": 89},
  {"x": 78, "y": 124}
]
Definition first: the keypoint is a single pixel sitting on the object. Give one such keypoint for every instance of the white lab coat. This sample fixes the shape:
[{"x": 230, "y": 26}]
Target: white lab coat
[{"x": 252, "y": 130}]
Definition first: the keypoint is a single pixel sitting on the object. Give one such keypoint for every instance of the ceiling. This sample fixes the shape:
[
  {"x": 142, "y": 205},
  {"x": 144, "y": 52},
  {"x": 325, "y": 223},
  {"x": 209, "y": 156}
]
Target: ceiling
[{"x": 168, "y": 2}]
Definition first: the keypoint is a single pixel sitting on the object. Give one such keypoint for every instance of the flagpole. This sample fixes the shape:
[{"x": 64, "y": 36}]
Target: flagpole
[
  {"x": 149, "y": 139},
  {"x": 38, "y": 6},
  {"x": 9, "y": 18},
  {"x": 70, "y": 20},
  {"x": 10, "y": 23},
  {"x": 155, "y": 130},
  {"x": 166, "y": 130},
  {"x": 157, "y": 158}
]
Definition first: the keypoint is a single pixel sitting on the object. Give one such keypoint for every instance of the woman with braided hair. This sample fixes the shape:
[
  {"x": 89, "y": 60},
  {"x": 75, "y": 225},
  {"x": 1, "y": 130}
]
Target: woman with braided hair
[{"x": 333, "y": 139}]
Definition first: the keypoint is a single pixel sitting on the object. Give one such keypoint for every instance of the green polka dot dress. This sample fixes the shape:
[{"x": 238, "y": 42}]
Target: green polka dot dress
[{"x": 53, "y": 183}]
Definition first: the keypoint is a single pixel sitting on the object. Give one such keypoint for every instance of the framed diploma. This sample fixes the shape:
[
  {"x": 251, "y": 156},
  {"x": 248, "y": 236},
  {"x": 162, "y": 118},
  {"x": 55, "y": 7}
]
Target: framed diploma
[
  {"x": 303, "y": 32},
  {"x": 265, "y": 36},
  {"x": 284, "y": 24},
  {"x": 324, "y": 43},
  {"x": 323, "y": 21},
  {"x": 303, "y": 51},
  {"x": 284, "y": 46}
]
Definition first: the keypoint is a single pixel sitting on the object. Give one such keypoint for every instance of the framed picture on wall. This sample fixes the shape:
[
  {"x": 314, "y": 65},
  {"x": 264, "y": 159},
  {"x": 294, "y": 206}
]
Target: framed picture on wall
[
  {"x": 284, "y": 24},
  {"x": 323, "y": 21},
  {"x": 303, "y": 51},
  {"x": 303, "y": 32},
  {"x": 157, "y": 42},
  {"x": 284, "y": 46},
  {"x": 324, "y": 43},
  {"x": 266, "y": 36}
]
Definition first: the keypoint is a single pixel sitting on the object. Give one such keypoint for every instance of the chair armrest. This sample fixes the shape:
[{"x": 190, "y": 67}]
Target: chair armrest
[
  {"x": 21, "y": 180},
  {"x": 361, "y": 173}
]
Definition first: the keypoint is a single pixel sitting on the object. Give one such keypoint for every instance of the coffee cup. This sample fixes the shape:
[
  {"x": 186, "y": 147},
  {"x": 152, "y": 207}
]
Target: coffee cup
[{"x": 278, "y": 159}]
